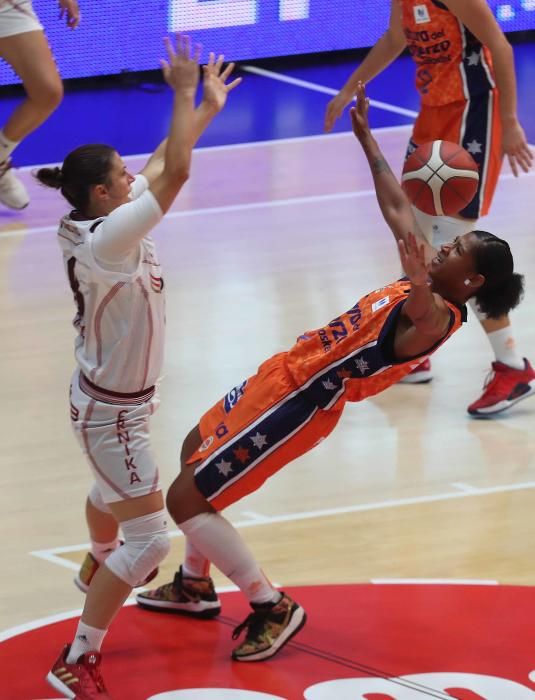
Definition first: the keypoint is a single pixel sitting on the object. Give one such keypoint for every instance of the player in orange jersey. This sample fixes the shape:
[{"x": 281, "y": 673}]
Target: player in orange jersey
[
  {"x": 297, "y": 397},
  {"x": 466, "y": 80}
]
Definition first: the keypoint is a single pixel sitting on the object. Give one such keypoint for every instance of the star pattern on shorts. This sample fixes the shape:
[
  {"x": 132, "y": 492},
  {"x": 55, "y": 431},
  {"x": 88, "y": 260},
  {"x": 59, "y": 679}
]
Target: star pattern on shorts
[
  {"x": 362, "y": 365},
  {"x": 241, "y": 454},
  {"x": 330, "y": 386},
  {"x": 258, "y": 440},
  {"x": 473, "y": 58},
  {"x": 224, "y": 467},
  {"x": 474, "y": 147}
]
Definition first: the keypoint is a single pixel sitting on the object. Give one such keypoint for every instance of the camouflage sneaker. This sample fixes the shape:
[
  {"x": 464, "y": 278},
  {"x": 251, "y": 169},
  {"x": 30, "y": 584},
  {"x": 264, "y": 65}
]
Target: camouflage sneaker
[
  {"x": 269, "y": 628},
  {"x": 89, "y": 568},
  {"x": 185, "y": 595}
]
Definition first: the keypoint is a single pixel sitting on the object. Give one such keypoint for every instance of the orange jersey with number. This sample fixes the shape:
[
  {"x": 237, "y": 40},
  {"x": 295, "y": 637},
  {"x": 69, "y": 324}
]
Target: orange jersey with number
[
  {"x": 352, "y": 357},
  {"x": 452, "y": 65}
]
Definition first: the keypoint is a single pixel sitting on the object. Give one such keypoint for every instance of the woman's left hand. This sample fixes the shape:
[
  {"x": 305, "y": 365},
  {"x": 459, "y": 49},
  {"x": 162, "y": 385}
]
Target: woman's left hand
[
  {"x": 516, "y": 148},
  {"x": 70, "y": 10}
]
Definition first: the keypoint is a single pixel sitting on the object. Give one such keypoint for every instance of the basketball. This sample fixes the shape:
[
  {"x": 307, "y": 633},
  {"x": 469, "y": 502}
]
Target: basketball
[{"x": 440, "y": 178}]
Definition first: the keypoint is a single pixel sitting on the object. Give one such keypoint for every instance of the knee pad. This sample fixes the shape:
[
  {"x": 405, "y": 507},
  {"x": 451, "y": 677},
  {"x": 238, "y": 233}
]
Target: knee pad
[
  {"x": 96, "y": 499},
  {"x": 146, "y": 544}
]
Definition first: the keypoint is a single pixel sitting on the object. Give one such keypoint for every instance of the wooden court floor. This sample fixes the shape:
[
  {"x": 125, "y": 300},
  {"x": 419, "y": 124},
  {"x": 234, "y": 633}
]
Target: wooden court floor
[{"x": 266, "y": 241}]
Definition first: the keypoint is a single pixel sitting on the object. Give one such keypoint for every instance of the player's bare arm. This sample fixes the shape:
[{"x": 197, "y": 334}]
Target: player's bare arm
[
  {"x": 181, "y": 73},
  {"x": 215, "y": 92},
  {"x": 381, "y": 55},
  {"x": 478, "y": 17},
  {"x": 427, "y": 311},
  {"x": 394, "y": 204}
]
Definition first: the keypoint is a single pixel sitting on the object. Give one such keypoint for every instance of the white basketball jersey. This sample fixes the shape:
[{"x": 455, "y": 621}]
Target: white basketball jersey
[{"x": 120, "y": 315}]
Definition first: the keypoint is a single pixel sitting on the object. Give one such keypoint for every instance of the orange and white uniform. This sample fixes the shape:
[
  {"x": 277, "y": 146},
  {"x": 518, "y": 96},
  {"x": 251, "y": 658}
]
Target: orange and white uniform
[
  {"x": 459, "y": 99},
  {"x": 296, "y": 397}
]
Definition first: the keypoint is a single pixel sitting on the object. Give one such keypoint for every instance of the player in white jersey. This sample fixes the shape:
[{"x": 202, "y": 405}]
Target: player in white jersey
[
  {"x": 118, "y": 289},
  {"x": 24, "y": 46}
]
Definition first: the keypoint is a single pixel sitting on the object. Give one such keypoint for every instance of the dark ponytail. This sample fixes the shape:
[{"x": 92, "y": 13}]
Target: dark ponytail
[
  {"x": 51, "y": 177},
  {"x": 503, "y": 288},
  {"x": 84, "y": 167}
]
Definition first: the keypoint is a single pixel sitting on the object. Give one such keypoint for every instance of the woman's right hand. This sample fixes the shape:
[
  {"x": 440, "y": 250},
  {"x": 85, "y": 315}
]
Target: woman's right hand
[
  {"x": 334, "y": 110},
  {"x": 181, "y": 70},
  {"x": 359, "y": 114},
  {"x": 215, "y": 88}
]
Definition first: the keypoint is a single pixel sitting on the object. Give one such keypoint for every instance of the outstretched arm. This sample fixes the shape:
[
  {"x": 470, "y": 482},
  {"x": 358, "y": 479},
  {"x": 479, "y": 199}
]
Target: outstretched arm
[
  {"x": 215, "y": 91},
  {"x": 386, "y": 50},
  {"x": 427, "y": 311},
  {"x": 394, "y": 204},
  {"x": 478, "y": 17}
]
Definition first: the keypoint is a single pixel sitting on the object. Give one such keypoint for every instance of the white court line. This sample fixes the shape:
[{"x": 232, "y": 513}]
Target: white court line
[
  {"x": 60, "y": 617},
  {"x": 436, "y": 581},
  {"x": 465, "y": 487},
  {"x": 325, "y": 90},
  {"x": 245, "y": 145},
  {"x": 313, "y": 199},
  {"x": 50, "y": 554}
]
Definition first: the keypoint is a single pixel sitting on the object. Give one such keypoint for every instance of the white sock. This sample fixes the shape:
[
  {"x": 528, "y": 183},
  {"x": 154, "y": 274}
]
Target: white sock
[
  {"x": 7, "y": 146},
  {"x": 87, "y": 639},
  {"x": 504, "y": 346},
  {"x": 102, "y": 550},
  {"x": 218, "y": 541},
  {"x": 195, "y": 565}
]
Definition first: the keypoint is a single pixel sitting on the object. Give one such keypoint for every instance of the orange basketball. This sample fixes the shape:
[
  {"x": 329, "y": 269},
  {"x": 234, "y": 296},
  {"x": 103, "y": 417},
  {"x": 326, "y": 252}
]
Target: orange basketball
[{"x": 440, "y": 178}]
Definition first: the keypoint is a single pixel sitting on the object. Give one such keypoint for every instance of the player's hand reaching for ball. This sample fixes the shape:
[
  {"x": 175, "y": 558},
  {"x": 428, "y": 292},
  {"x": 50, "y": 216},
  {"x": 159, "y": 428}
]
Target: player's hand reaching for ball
[
  {"x": 181, "y": 69},
  {"x": 412, "y": 256},
  {"x": 215, "y": 87},
  {"x": 359, "y": 114}
]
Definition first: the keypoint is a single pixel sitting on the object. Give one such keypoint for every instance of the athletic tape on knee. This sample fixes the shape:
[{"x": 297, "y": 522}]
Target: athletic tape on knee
[
  {"x": 146, "y": 544},
  {"x": 96, "y": 499}
]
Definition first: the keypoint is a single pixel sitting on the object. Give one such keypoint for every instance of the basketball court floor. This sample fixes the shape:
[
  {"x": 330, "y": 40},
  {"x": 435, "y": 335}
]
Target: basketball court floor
[{"x": 407, "y": 535}]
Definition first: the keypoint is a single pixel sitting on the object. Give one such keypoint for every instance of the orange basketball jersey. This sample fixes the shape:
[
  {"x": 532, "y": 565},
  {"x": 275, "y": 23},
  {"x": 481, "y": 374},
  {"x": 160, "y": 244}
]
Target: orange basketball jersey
[
  {"x": 452, "y": 65},
  {"x": 353, "y": 356}
]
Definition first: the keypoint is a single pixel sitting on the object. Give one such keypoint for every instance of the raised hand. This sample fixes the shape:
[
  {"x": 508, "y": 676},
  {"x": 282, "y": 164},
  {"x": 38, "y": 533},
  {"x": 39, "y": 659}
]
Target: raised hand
[
  {"x": 515, "y": 147},
  {"x": 181, "y": 70},
  {"x": 412, "y": 256},
  {"x": 359, "y": 114},
  {"x": 334, "y": 110},
  {"x": 215, "y": 89}
]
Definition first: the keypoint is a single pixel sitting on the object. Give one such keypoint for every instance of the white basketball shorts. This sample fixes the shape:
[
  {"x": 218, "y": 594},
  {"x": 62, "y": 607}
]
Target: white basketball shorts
[
  {"x": 17, "y": 17},
  {"x": 113, "y": 432}
]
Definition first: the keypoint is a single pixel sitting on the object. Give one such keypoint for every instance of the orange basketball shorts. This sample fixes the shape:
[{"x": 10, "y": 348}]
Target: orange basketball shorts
[
  {"x": 256, "y": 429},
  {"x": 476, "y": 125}
]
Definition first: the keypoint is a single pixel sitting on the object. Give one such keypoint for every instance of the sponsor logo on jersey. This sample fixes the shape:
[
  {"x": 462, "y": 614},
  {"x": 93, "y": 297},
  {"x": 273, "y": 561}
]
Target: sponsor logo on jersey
[
  {"x": 234, "y": 395},
  {"x": 421, "y": 14},
  {"x": 379, "y": 304},
  {"x": 206, "y": 444}
]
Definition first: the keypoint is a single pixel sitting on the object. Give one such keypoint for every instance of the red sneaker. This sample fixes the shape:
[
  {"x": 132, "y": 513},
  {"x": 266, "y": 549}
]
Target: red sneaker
[
  {"x": 504, "y": 387},
  {"x": 419, "y": 375},
  {"x": 81, "y": 680}
]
